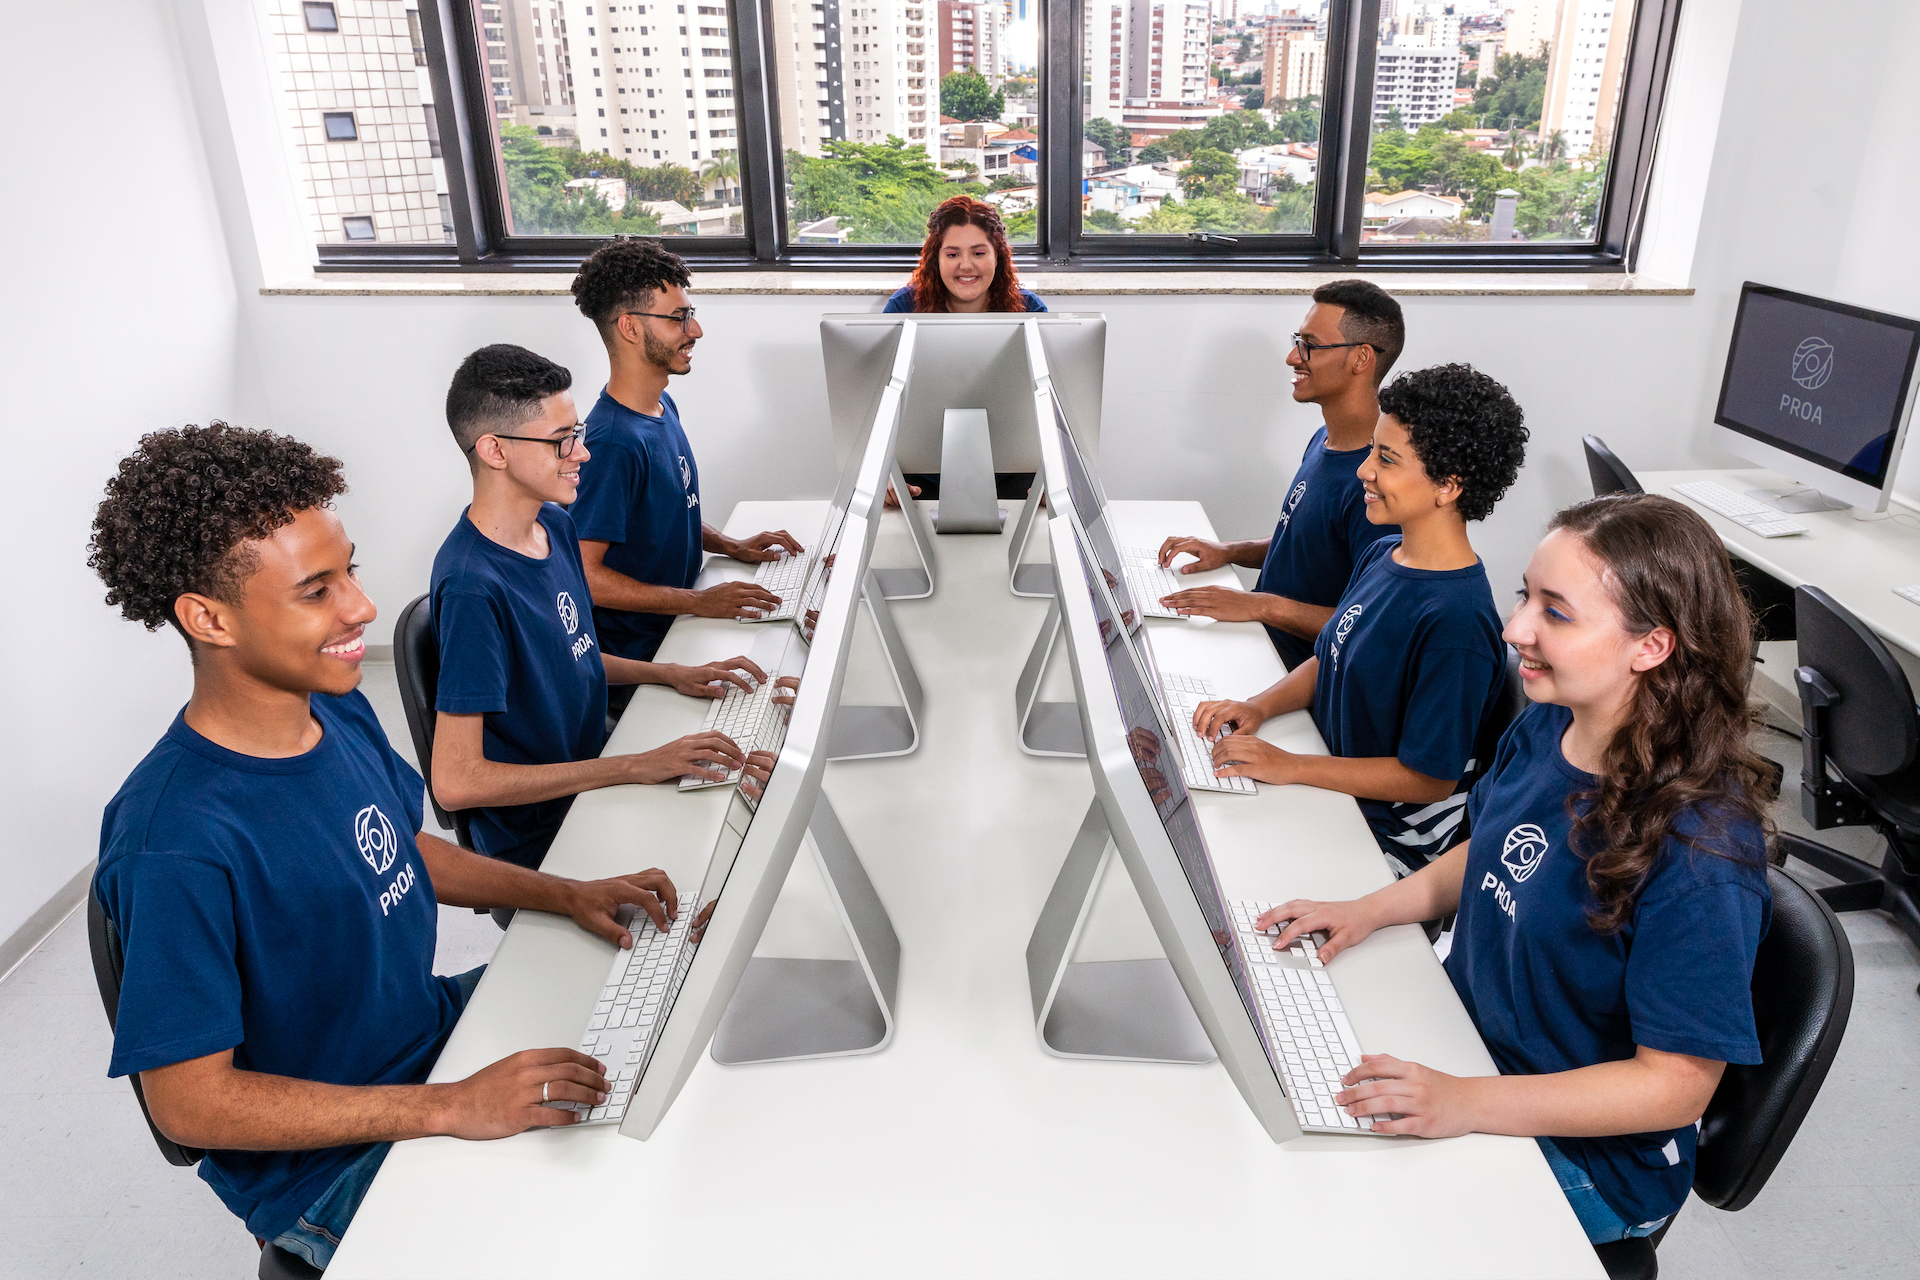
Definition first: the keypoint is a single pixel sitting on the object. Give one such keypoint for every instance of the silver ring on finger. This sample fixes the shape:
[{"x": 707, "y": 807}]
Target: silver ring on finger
[{"x": 543, "y": 1091}]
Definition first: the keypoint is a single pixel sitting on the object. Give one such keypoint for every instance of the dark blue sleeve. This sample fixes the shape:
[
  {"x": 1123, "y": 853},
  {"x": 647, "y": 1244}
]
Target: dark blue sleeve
[
  {"x": 1033, "y": 300},
  {"x": 1502, "y": 757},
  {"x": 1445, "y": 704},
  {"x": 473, "y": 655},
  {"x": 180, "y": 997},
  {"x": 902, "y": 300},
  {"x": 1690, "y": 971},
  {"x": 611, "y": 483}
]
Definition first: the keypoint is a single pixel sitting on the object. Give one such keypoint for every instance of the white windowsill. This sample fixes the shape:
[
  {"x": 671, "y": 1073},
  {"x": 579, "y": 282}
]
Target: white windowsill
[{"x": 1049, "y": 285}]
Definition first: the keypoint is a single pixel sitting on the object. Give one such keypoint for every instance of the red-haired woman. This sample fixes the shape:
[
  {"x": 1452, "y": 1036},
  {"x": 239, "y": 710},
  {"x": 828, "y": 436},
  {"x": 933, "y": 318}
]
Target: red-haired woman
[{"x": 965, "y": 264}]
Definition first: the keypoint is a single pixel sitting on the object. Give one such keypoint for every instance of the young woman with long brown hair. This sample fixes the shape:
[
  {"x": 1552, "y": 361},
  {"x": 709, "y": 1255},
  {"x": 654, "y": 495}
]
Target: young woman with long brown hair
[
  {"x": 965, "y": 264},
  {"x": 1614, "y": 889}
]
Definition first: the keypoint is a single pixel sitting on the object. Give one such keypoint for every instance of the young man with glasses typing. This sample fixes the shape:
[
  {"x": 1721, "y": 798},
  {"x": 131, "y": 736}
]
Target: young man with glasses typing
[
  {"x": 1350, "y": 338},
  {"x": 639, "y": 517},
  {"x": 522, "y": 698}
]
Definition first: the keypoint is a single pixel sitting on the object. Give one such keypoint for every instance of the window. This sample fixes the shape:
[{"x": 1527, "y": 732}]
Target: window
[
  {"x": 340, "y": 126},
  {"x": 1420, "y": 133},
  {"x": 357, "y": 228},
  {"x": 419, "y": 41},
  {"x": 320, "y": 17}
]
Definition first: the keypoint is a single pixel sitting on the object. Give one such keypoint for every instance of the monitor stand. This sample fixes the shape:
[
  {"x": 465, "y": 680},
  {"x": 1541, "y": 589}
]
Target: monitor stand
[
  {"x": 909, "y": 583},
  {"x": 1132, "y": 1010},
  {"x": 785, "y": 1009},
  {"x": 969, "y": 503},
  {"x": 1028, "y": 579},
  {"x": 1046, "y": 728},
  {"x": 1798, "y": 500},
  {"x": 862, "y": 732}
]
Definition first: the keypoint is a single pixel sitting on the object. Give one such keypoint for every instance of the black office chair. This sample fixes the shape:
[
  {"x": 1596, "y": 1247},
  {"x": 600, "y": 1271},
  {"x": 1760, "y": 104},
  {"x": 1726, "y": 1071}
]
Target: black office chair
[
  {"x": 109, "y": 966},
  {"x": 416, "y": 668},
  {"x": 1604, "y": 468},
  {"x": 1802, "y": 994},
  {"x": 1859, "y": 744}
]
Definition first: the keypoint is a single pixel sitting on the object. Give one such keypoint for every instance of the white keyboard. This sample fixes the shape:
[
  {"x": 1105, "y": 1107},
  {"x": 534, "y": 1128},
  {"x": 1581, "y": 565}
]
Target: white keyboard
[
  {"x": 1742, "y": 510},
  {"x": 633, "y": 1005},
  {"x": 784, "y": 577},
  {"x": 1307, "y": 1029},
  {"x": 754, "y": 721},
  {"x": 1147, "y": 581},
  {"x": 1908, "y": 593},
  {"x": 1183, "y": 695}
]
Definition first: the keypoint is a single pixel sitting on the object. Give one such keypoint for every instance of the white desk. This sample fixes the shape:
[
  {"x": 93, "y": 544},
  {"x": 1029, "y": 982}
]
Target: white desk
[
  {"x": 962, "y": 1149},
  {"x": 1857, "y": 562}
]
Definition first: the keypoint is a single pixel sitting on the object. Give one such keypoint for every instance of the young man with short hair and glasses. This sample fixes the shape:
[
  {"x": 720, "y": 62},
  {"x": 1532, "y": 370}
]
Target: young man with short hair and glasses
[
  {"x": 639, "y": 517},
  {"x": 522, "y": 699},
  {"x": 1350, "y": 338}
]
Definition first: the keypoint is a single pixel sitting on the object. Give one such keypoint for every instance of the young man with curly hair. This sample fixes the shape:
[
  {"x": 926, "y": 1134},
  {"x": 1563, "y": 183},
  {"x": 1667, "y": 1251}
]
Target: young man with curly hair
[
  {"x": 1410, "y": 664},
  {"x": 1350, "y": 338},
  {"x": 639, "y": 517},
  {"x": 522, "y": 697},
  {"x": 264, "y": 865}
]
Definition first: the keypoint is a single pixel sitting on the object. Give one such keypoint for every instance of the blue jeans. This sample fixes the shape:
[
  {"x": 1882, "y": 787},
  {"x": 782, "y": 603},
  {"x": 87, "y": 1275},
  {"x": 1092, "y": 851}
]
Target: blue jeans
[
  {"x": 1597, "y": 1218},
  {"x": 316, "y": 1233}
]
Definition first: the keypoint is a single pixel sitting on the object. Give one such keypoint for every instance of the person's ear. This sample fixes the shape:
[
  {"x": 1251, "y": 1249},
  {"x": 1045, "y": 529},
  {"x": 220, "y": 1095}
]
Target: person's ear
[
  {"x": 1360, "y": 362},
  {"x": 1447, "y": 492},
  {"x": 1654, "y": 648},
  {"x": 205, "y": 620},
  {"x": 490, "y": 453}
]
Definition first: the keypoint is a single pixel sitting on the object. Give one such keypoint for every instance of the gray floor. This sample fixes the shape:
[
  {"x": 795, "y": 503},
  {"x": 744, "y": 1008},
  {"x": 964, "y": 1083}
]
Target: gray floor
[{"x": 83, "y": 1192}]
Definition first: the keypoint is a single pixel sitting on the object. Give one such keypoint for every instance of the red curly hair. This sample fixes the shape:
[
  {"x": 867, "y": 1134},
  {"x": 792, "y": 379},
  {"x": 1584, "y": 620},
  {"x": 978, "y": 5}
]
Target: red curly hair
[{"x": 930, "y": 291}]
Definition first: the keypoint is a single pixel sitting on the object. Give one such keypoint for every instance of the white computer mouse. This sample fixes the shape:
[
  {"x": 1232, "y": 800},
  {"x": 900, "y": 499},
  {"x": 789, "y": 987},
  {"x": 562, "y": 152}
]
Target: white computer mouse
[
  {"x": 1181, "y": 560},
  {"x": 1200, "y": 620}
]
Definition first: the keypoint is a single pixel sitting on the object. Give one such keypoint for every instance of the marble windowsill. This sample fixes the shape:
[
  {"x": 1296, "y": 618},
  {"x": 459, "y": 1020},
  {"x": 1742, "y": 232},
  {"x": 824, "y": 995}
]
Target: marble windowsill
[{"x": 1051, "y": 285}]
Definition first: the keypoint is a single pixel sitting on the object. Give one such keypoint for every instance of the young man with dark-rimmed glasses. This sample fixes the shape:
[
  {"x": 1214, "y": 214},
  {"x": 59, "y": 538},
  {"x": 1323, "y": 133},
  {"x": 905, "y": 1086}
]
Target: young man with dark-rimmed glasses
[
  {"x": 1351, "y": 336},
  {"x": 639, "y": 517}
]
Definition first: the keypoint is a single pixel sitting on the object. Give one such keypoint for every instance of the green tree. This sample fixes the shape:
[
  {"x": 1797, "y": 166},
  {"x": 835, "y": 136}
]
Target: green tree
[
  {"x": 1180, "y": 143},
  {"x": 1559, "y": 202},
  {"x": 541, "y": 203},
  {"x": 1516, "y": 90},
  {"x": 1298, "y": 120},
  {"x": 1209, "y": 173},
  {"x": 1111, "y": 138},
  {"x": 721, "y": 172},
  {"x": 882, "y": 192},
  {"x": 1104, "y": 220},
  {"x": 965, "y": 95},
  {"x": 1152, "y": 153},
  {"x": 1291, "y": 210}
]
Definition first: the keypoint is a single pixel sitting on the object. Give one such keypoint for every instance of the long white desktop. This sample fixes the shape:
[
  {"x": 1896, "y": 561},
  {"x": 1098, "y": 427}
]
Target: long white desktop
[{"x": 963, "y": 1149}]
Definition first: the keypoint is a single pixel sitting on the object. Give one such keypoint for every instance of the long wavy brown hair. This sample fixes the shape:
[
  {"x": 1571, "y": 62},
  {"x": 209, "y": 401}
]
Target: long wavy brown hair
[
  {"x": 930, "y": 291},
  {"x": 1684, "y": 745}
]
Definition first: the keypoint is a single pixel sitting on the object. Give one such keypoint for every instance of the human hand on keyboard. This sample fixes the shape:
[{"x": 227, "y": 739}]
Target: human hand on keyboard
[
  {"x": 1226, "y": 604},
  {"x": 1206, "y": 554},
  {"x": 765, "y": 546},
  {"x": 595, "y": 904},
  {"x": 708, "y": 755},
  {"x": 733, "y": 600},
  {"x": 1241, "y": 755},
  {"x": 753, "y": 778},
  {"x": 1345, "y": 924},
  {"x": 785, "y": 690},
  {"x": 1405, "y": 1097},
  {"x": 1211, "y": 719},
  {"x": 711, "y": 681},
  {"x": 509, "y": 1096}
]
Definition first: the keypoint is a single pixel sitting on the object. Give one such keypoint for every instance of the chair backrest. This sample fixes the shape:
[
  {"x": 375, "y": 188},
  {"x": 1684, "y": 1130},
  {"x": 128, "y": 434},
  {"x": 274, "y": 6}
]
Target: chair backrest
[
  {"x": 1604, "y": 468},
  {"x": 1871, "y": 729},
  {"x": 1802, "y": 994},
  {"x": 416, "y": 668},
  {"x": 109, "y": 966}
]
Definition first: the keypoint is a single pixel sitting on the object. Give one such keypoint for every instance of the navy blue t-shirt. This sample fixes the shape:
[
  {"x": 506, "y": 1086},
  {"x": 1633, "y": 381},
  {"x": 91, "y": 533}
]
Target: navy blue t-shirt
[
  {"x": 278, "y": 908},
  {"x": 518, "y": 648},
  {"x": 902, "y": 300},
  {"x": 1549, "y": 994},
  {"x": 640, "y": 492},
  {"x": 1410, "y": 664},
  {"x": 1323, "y": 529}
]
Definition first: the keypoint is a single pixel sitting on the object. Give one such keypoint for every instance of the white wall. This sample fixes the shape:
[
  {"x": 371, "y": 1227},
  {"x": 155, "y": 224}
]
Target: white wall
[{"x": 121, "y": 317}]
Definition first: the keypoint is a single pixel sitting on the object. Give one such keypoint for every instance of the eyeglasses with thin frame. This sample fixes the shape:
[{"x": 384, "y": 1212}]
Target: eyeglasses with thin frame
[
  {"x": 1307, "y": 346},
  {"x": 684, "y": 317},
  {"x": 562, "y": 445}
]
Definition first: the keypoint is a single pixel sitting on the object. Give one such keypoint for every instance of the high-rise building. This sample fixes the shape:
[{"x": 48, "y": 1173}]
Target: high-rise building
[
  {"x": 1147, "y": 58},
  {"x": 970, "y": 37},
  {"x": 356, "y": 103},
  {"x": 1530, "y": 24},
  {"x": 1588, "y": 53},
  {"x": 539, "y": 79},
  {"x": 1296, "y": 67},
  {"x": 1417, "y": 82},
  {"x": 1423, "y": 25}
]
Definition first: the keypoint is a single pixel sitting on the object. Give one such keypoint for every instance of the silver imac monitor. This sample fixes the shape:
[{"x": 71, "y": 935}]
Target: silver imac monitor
[
  {"x": 1819, "y": 391},
  {"x": 757, "y": 844},
  {"x": 1151, "y": 817}
]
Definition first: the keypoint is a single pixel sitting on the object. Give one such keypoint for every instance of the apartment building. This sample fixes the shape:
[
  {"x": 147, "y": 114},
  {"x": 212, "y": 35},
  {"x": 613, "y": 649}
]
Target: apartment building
[
  {"x": 1295, "y": 67},
  {"x": 1588, "y": 53},
  {"x": 1148, "y": 63},
  {"x": 1416, "y": 81},
  {"x": 971, "y": 37}
]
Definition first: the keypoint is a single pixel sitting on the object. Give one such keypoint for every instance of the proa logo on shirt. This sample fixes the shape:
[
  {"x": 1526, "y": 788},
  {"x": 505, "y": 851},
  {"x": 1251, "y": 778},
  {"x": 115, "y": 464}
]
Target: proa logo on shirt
[
  {"x": 374, "y": 835},
  {"x": 1293, "y": 500},
  {"x": 1525, "y": 849},
  {"x": 569, "y": 612},
  {"x": 686, "y": 482},
  {"x": 1342, "y": 629}
]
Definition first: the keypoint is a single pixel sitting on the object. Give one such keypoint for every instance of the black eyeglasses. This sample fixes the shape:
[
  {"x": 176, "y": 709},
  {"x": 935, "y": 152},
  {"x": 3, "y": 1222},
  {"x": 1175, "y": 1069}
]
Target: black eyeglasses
[
  {"x": 562, "y": 445},
  {"x": 684, "y": 317},
  {"x": 1307, "y": 346}
]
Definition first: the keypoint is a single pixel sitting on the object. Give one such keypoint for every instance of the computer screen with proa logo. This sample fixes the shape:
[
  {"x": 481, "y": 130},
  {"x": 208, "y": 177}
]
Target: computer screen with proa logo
[{"x": 1819, "y": 390}]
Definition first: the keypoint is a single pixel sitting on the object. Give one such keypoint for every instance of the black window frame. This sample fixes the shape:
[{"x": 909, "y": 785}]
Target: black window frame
[{"x": 462, "y": 101}]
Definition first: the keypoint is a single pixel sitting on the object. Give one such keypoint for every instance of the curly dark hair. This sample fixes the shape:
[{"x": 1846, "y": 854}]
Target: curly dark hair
[
  {"x": 182, "y": 507},
  {"x": 499, "y": 387},
  {"x": 623, "y": 275},
  {"x": 1370, "y": 315},
  {"x": 1465, "y": 425},
  {"x": 1685, "y": 745},
  {"x": 930, "y": 291}
]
